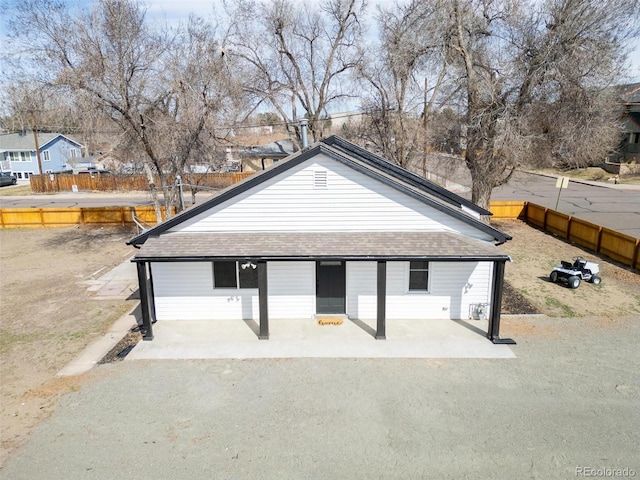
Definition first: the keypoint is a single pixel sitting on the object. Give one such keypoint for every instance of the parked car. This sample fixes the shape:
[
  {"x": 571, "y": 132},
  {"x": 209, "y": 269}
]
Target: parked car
[{"x": 7, "y": 178}]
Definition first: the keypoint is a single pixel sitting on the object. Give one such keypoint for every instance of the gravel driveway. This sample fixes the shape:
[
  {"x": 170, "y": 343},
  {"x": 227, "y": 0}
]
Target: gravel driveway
[{"x": 569, "y": 400}]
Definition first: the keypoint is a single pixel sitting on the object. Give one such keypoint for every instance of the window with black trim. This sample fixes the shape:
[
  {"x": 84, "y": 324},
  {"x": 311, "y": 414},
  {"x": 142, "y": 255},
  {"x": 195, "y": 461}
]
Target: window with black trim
[
  {"x": 418, "y": 276},
  {"x": 230, "y": 274},
  {"x": 248, "y": 275}
]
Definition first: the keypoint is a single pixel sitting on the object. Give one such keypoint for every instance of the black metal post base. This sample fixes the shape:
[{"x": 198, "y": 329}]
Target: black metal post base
[{"x": 503, "y": 341}]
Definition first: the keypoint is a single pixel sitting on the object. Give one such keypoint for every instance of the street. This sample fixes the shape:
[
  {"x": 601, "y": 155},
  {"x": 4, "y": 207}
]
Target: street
[{"x": 613, "y": 206}]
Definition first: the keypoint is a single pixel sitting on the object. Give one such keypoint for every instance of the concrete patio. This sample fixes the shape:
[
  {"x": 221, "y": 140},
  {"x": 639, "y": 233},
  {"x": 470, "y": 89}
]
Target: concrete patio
[{"x": 303, "y": 338}]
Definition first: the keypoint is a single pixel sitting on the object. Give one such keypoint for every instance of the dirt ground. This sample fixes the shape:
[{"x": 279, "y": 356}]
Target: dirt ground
[
  {"x": 535, "y": 253},
  {"x": 47, "y": 317}
]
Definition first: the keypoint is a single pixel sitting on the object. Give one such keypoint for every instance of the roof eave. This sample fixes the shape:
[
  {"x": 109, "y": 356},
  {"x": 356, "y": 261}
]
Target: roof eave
[{"x": 388, "y": 258}]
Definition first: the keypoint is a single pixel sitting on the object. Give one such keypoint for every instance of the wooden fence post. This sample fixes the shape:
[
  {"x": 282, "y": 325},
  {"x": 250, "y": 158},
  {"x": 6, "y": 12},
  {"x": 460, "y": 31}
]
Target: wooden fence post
[{"x": 569, "y": 229}]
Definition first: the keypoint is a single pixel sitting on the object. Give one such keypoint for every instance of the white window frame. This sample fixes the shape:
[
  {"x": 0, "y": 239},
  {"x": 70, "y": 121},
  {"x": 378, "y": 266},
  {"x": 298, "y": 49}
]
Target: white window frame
[
  {"x": 408, "y": 278},
  {"x": 46, "y": 156},
  {"x": 25, "y": 156},
  {"x": 74, "y": 152}
]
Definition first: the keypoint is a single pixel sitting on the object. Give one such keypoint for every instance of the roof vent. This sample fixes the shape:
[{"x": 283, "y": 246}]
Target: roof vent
[{"x": 320, "y": 179}]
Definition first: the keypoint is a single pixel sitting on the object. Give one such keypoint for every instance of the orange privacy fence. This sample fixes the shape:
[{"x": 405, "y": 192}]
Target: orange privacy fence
[
  {"x": 69, "y": 216},
  {"x": 106, "y": 182},
  {"x": 617, "y": 246}
]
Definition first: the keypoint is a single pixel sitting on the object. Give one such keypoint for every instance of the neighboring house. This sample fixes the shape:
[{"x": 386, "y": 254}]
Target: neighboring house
[
  {"x": 331, "y": 230},
  {"x": 630, "y": 148},
  {"x": 259, "y": 158},
  {"x": 18, "y": 153}
]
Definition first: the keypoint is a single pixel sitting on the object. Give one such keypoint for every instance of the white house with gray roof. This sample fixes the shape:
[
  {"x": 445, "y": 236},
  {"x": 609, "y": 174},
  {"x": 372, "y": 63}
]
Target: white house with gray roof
[
  {"x": 18, "y": 153},
  {"x": 330, "y": 230}
]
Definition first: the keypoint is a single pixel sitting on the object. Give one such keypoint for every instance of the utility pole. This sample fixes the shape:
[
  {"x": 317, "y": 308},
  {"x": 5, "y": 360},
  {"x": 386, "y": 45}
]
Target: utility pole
[
  {"x": 35, "y": 139},
  {"x": 424, "y": 126}
]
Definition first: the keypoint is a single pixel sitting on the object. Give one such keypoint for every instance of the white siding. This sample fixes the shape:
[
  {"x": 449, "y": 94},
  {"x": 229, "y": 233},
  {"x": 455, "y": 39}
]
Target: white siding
[
  {"x": 351, "y": 201},
  {"x": 184, "y": 291},
  {"x": 292, "y": 289},
  {"x": 453, "y": 287},
  {"x": 362, "y": 289}
]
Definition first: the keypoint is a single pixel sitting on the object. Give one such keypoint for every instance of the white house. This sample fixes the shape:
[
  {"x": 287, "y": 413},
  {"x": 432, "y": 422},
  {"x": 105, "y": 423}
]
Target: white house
[{"x": 330, "y": 230}]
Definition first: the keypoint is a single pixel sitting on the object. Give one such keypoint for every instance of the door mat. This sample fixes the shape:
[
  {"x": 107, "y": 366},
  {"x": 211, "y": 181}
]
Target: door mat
[{"x": 329, "y": 320}]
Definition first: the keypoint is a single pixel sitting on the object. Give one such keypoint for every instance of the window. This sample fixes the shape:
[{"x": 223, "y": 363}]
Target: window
[
  {"x": 634, "y": 137},
  {"x": 74, "y": 152},
  {"x": 224, "y": 275},
  {"x": 46, "y": 157},
  {"x": 419, "y": 276},
  {"x": 25, "y": 156},
  {"x": 248, "y": 275},
  {"x": 229, "y": 274}
]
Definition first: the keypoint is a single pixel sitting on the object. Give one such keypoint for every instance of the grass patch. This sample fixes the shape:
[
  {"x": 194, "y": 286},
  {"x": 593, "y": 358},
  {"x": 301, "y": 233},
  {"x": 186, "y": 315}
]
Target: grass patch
[
  {"x": 557, "y": 304},
  {"x": 14, "y": 191}
]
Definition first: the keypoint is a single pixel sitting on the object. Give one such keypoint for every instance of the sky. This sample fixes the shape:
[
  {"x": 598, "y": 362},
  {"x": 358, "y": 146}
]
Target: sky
[
  {"x": 172, "y": 12},
  {"x": 175, "y": 11}
]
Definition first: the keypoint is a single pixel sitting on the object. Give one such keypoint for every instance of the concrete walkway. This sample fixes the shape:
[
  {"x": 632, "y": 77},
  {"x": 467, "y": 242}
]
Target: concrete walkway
[
  {"x": 302, "y": 338},
  {"x": 118, "y": 283}
]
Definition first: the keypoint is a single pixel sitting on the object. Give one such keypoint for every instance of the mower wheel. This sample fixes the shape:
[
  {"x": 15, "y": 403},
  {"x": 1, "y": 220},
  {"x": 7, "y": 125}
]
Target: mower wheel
[
  {"x": 553, "y": 276},
  {"x": 573, "y": 282}
]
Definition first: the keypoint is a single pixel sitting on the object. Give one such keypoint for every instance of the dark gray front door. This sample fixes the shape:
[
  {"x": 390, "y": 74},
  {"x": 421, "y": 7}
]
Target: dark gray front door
[{"x": 330, "y": 287}]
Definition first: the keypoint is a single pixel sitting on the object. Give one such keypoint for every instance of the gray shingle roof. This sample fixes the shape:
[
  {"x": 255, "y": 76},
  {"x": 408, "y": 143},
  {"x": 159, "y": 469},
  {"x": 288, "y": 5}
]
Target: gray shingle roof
[
  {"x": 313, "y": 245},
  {"x": 19, "y": 142}
]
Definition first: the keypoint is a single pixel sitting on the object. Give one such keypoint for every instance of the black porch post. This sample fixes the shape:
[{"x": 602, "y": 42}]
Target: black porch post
[
  {"x": 263, "y": 301},
  {"x": 381, "y": 330},
  {"x": 143, "y": 285},
  {"x": 493, "y": 332}
]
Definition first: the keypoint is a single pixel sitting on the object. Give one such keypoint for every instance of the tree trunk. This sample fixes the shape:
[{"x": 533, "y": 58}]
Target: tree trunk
[{"x": 154, "y": 193}]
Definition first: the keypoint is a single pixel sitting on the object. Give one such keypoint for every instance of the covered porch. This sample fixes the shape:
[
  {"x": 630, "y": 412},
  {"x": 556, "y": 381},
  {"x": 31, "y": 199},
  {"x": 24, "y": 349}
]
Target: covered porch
[{"x": 260, "y": 248}]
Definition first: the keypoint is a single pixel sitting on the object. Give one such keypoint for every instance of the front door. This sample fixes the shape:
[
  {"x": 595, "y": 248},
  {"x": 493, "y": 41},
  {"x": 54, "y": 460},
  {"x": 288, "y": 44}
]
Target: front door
[{"x": 330, "y": 287}]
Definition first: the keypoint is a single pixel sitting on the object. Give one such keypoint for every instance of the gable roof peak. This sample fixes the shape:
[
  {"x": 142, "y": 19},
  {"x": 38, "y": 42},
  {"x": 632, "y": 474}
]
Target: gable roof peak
[{"x": 358, "y": 159}]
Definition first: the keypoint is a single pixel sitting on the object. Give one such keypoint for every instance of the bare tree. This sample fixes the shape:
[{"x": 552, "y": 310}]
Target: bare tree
[
  {"x": 161, "y": 88},
  {"x": 296, "y": 55},
  {"x": 393, "y": 73},
  {"x": 519, "y": 59}
]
